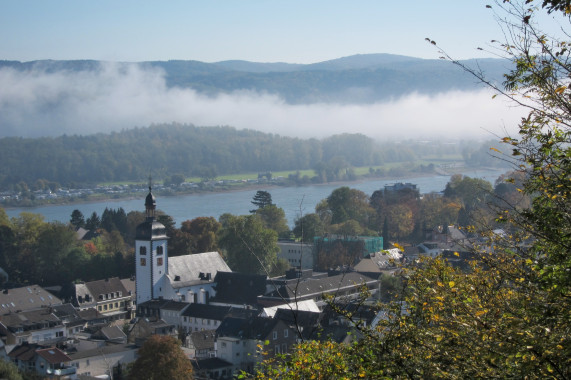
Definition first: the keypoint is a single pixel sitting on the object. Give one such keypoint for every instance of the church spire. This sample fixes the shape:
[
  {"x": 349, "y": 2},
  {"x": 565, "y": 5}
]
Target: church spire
[{"x": 150, "y": 202}]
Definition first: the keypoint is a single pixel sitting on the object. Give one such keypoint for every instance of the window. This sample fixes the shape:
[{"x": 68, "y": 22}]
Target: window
[
  {"x": 116, "y": 304},
  {"x": 104, "y": 307},
  {"x": 223, "y": 344},
  {"x": 99, "y": 308},
  {"x": 159, "y": 261},
  {"x": 284, "y": 348},
  {"x": 277, "y": 349},
  {"x": 59, "y": 334},
  {"x": 275, "y": 335},
  {"x": 160, "y": 250},
  {"x": 143, "y": 262},
  {"x": 142, "y": 250},
  {"x": 285, "y": 333}
]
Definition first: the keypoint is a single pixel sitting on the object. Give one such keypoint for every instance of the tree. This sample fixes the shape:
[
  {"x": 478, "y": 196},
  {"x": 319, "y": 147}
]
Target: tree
[
  {"x": 93, "y": 222},
  {"x": 508, "y": 315},
  {"x": 261, "y": 200},
  {"x": 161, "y": 357},
  {"x": 9, "y": 371},
  {"x": 401, "y": 221},
  {"x": 346, "y": 204},
  {"x": 54, "y": 243},
  {"x": 307, "y": 227},
  {"x": 274, "y": 218},
  {"x": 249, "y": 246},
  {"x": 201, "y": 233},
  {"x": 77, "y": 220}
]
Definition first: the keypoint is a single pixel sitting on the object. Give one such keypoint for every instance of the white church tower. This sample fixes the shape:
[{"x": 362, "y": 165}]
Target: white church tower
[{"x": 151, "y": 256}]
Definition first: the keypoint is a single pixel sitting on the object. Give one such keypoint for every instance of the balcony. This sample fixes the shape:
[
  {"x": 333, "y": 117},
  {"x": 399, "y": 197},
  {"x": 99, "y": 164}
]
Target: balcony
[{"x": 65, "y": 371}]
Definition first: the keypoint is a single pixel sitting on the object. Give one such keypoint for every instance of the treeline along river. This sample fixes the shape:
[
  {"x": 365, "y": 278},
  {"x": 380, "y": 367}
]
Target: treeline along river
[{"x": 294, "y": 200}]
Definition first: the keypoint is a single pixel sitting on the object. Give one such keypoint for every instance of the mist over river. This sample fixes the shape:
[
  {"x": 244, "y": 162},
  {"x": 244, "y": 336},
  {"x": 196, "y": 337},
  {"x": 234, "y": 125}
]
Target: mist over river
[{"x": 294, "y": 200}]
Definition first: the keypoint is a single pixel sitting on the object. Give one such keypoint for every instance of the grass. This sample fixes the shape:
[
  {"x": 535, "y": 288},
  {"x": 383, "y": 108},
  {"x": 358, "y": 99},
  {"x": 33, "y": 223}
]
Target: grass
[{"x": 359, "y": 171}]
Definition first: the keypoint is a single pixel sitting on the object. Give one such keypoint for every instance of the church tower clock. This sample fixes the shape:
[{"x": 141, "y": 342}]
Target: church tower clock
[{"x": 151, "y": 256}]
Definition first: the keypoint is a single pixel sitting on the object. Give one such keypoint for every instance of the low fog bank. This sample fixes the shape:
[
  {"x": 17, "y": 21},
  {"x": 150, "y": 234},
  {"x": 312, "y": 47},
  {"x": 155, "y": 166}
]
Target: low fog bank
[{"x": 37, "y": 103}]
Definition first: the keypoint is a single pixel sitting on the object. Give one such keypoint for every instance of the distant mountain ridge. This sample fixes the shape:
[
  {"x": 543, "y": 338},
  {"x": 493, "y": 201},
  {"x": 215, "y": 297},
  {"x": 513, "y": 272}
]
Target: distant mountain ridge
[{"x": 363, "y": 78}]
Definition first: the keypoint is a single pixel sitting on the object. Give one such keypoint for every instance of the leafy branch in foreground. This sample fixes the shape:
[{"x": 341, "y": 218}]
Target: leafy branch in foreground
[{"x": 507, "y": 316}]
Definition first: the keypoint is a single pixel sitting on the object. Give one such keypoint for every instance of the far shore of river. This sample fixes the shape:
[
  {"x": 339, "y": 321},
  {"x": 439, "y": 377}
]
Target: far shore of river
[{"x": 231, "y": 188}]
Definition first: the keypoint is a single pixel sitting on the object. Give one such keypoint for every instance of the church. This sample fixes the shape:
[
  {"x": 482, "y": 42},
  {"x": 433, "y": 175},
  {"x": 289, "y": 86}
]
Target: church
[{"x": 188, "y": 278}]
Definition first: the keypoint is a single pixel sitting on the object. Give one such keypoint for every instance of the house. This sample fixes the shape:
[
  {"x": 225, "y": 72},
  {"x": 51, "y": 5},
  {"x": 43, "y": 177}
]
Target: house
[
  {"x": 26, "y": 298},
  {"x": 109, "y": 297},
  {"x": 70, "y": 318},
  {"x": 201, "y": 344},
  {"x": 198, "y": 317},
  {"x": 104, "y": 360},
  {"x": 32, "y": 326},
  {"x": 212, "y": 368},
  {"x": 238, "y": 341},
  {"x": 168, "y": 310},
  {"x": 379, "y": 261},
  {"x": 304, "y": 324},
  {"x": 143, "y": 328},
  {"x": 47, "y": 362}
]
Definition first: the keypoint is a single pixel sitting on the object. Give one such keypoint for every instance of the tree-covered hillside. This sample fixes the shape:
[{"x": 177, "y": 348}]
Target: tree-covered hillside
[
  {"x": 356, "y": 79},
  {"x": 204, "y": 152}
]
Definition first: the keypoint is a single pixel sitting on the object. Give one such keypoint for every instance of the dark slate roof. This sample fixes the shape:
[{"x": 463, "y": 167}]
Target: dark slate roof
[
  {"x": 130, "y": 285},
  {"x": 31, "y": 319},
  {"x": 304, "y": 323},
  {"x": 150, "y": 229},
  {"x": 68, "y": 314},
  {"x": 26, "y": 298},
  {"x": 155, "y": 304},
  {"x": 53, "y": 355},
  {"x": 336, "y": 333},
  {"x": 107, "y": 286},
  {"x": 111, "y": 333},
  {"x": 298, "y": 317},
  {"x": 104, "y": 350},
  {"x": 316, "y": 286},
  {"x": 239, "y": 288},
  {"x": 25, "y": 351},
  {"x": 203, "y": 340},
  {"x": 210, "y": 364},
  {"x": 253, "y": 328},
  {"x": 91, "y": 314},
  {"x": 197, "y": 310},
  {"x": 174, "y": 305},
  {"x": 83, "y": 234}
]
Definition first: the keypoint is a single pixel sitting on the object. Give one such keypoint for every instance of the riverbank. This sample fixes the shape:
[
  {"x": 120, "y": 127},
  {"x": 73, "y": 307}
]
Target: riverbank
[{"x": 223, "y": 186}]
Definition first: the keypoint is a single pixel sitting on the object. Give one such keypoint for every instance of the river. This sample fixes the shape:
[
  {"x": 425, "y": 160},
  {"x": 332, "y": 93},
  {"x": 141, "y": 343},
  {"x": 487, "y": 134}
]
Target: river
[{"x": 294, "y": 200}]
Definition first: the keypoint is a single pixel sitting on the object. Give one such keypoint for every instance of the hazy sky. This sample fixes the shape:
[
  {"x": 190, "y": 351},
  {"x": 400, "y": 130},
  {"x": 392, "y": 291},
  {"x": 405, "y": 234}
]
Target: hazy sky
[
  {"x": 290, "y": 31},
  {"x": 266, "y": 31}
]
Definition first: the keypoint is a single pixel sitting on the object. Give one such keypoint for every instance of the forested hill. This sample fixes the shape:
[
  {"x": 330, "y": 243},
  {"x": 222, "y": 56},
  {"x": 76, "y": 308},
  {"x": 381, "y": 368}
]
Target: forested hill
[
  {"x": 188, "y": 150},
  {"x": 356, "y": 79}
]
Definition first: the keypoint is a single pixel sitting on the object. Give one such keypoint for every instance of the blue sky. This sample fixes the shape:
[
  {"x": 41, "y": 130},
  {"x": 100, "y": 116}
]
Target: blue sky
[{"x": 265, "y": 31}]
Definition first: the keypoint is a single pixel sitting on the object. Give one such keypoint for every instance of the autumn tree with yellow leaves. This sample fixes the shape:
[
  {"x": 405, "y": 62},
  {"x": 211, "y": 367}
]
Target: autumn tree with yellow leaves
[{"x": 508, "y": 316}]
